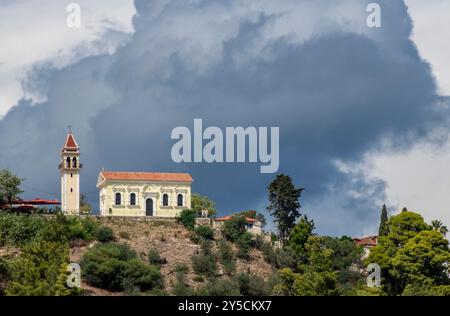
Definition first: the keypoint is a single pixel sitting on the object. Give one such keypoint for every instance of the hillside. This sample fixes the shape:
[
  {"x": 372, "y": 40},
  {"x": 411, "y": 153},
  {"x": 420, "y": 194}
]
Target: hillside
[{"x": 172, "y": 241}]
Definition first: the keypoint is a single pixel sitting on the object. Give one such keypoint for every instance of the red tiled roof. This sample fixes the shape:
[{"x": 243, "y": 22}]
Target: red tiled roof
[
  {"x": 70, "y": 142},
  {"x": 147, "y": 176},
  {"x": 366, "y": 241},
  {"x": 228, "y": 217}
]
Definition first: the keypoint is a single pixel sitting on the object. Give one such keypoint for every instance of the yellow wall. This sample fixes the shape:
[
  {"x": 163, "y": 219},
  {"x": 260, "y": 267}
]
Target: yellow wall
[{"x": 143, "y": 191}]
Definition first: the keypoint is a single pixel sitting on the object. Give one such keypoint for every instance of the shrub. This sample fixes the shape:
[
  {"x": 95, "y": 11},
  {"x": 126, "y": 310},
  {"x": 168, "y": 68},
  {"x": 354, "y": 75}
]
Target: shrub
[
  {"x": 187, "y": 218},
  {"x": 40, "y": 270},
  {"x": 219, "y": 287},
  {"x": 204, "y": 264},
  {"x": 194, "y": 238},
  {"x": 5, "y": 275},
  {"x": 251, "y": 285},
  {"x": 181, "y": 268},
  {"x": 155, "y": 258},
  {"x": 244, "y": 246},
  {"x": 104, "y": 234},
  {"x": 116, "y": 267},
  {"x": 181, "y": 288},
  {"x": 64, "y": 229},
  {"x": 226, "y": 257},
  {"x": 234, "y": 228},
  {"x": 141, "y": 275},
  {"x": 205, "y": 232},
  {"x": 258, "y": 242},
  {"x": 206, "y": 247},
  {"x": 18, "y": 229}
]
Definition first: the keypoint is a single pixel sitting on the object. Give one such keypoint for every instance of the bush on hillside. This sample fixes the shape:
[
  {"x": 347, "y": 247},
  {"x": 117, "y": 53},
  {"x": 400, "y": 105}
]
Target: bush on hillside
[
  {"x": 187, "y": 218},
  {"x": 116, "y": 267},
  {"x": 205, "y": 232},
  {"x": 204, "y": 265},
  {"x": 104, "y": 234},
  {"x": 219, "y": 287},
  {"x": 155, "y": 258},
  {"x": 244, "y": 243},
  {"x": 40, "y": 270},
  {"x": 226, "y": 257},
  {"x": 18, "y": 229},
  {"x": 251, "y": 285},
  {"x": 233, "y": 228}
]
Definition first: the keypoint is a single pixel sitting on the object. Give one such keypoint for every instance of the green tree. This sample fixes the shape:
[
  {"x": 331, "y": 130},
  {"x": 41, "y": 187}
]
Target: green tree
[
  {"x": 299, "y": 235},
  {"x": 234, "y": 228},
  {"x": 40, "y": 270},
  {"x": 405, "y": 226},
  {"x": 383, "y": 230},
  {"x": 308, "y": 284},
  {"x": 411, "y": 254},
  {"x": 320, "y": 257},
  {"x": 439, "y": 227},
  {"x": 424, "y": 257},
  {"x": 201, "y": 202},
  {"x": 9, "y": 186},
  {"x": 284, "y": 204},
  {"x": 187, "y": 218}
]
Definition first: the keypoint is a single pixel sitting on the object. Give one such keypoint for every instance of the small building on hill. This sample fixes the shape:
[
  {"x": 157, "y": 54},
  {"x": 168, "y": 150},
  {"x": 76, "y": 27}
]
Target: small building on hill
[
  {"x": 144, "y": 193},
  {"x": 253, "y": 225},
  {"x": 367, "y": 243}
]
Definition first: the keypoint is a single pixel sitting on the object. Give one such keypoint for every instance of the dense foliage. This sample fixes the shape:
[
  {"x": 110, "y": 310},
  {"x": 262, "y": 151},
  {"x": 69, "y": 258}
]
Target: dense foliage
[
  {"x": 284, "y": 204},
  {"x": 116, "y": 267},
  {"x": 187, "y": 218},
  {"x": 413, "y": 257},
  {"x": 200, "y": 203}
]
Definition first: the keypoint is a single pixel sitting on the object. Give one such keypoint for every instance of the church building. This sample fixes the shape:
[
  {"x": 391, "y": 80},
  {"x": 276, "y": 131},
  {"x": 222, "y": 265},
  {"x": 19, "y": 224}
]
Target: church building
[{"x": 144, "y": 193}]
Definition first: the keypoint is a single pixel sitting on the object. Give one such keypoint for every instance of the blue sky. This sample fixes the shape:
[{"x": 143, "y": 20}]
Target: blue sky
[{"x": 362, "y": 117}]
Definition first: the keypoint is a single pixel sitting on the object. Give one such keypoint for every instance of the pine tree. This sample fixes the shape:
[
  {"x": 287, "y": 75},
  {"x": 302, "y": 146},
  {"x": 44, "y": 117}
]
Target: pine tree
[
  {"x": 384, "y": 228},
  {"x": 284, "y": 204}
]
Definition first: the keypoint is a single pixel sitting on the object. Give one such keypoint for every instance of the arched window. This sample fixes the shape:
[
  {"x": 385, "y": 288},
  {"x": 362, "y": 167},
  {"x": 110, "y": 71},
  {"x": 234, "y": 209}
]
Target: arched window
[
  {"x": 180, "y": 200},
  {"x": 118, "y": 199},
  {"x": 165, "y": 199},
  {"x": 74, "y": 162},
  {"x": 68, "y": 162},
  {"x": 133, "y": 199}
]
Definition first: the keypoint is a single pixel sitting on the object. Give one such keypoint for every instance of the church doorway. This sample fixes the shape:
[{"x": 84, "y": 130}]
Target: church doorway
[{"x": 149, "y": 207}]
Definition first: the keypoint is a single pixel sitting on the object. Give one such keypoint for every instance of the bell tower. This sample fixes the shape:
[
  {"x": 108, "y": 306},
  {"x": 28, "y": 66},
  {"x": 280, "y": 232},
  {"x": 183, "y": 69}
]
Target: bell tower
[{"x": 70, "y": 167}]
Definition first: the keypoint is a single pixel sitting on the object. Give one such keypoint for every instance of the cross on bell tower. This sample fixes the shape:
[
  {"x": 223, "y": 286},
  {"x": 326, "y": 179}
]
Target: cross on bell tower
[{"x": 70, "y": 167}]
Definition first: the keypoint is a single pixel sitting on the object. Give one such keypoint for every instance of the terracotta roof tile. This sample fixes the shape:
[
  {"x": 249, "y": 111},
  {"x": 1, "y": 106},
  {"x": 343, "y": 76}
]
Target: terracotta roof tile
[
  {"x": 70, "y": 142},
  {"x": 366, "y": 241},
  {"x": 147, "y": 176},
  {"x": 228, "y": 217}
]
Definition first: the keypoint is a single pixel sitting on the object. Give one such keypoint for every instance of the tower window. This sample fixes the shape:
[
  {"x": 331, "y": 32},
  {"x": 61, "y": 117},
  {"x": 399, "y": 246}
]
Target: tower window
[
  {"x": 71, "y": 190},
  {"x": 133, "y": 199},
  {"x": 71, "y": 175},
  {"x": 74, "y": 163},
  {"x": 68, "y": 162},
  {"x": 180, "y": 200},
  {"x": 118, "y": 199},
  {"x": 165, "y": 199}
]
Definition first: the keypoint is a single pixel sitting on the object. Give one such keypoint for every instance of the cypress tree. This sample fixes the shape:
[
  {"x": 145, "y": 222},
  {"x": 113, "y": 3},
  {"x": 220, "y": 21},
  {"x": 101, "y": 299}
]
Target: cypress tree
[{"x": 384, "y": 228}]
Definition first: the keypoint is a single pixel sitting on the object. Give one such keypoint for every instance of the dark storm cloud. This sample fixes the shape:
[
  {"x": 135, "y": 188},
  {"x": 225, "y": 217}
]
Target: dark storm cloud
[{"x": 333, "y": 94}]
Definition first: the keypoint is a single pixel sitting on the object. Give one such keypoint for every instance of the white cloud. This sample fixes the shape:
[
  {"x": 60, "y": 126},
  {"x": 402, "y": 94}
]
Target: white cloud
[
  {"x": 431, "y": 31},
  {"x": 418, "y": 178},
  {"x": 35, "y": 30}
]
